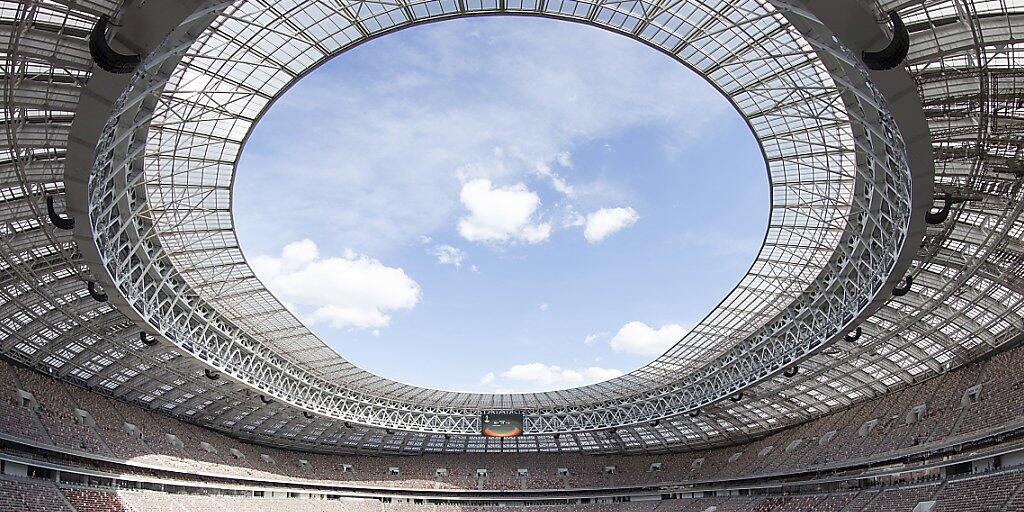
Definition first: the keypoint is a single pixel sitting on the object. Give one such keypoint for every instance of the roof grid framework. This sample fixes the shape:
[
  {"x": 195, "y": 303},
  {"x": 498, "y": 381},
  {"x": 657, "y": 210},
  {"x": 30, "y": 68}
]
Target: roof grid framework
[
  {"x": 983, "y": 260},
  {"x": 306, "y": 33},
  {"x": 657, "y": 403}
]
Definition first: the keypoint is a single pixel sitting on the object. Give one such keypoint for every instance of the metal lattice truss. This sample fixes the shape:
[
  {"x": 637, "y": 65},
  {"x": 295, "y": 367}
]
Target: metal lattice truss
[
  {"x": 159, "y": 207},
  {"x": 160, "y": 201}
]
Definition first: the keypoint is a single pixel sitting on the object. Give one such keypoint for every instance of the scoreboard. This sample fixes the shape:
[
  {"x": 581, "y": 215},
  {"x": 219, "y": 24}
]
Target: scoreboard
[{"x": 501, "y": 423}]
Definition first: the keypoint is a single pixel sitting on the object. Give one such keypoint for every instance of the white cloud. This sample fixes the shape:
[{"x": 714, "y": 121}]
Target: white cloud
[
  {"x": 641, "y": 339},
  {"x": 390, "y": 178},
  {"x": 448, "y": 255},
  {"x": 572, "y": 218},
  {"x": 606, "y": 221},
  {"x": 557, "y": 182},
  {"x": 349, "y": 291},
  {"x": 591, "y": 338},
  {"x": 501, "y": 214},
  {"x": 487, "y": 379},
  {"x": 544, "y": 306},
  {"x": 564, "y": 158},
  {"x": 536, "y": 233},
  {"x": 554, "y": 377}
]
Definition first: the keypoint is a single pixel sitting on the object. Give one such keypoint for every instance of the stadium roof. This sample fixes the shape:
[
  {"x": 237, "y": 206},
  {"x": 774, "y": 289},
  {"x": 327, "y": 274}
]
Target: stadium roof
[{"x": 144, "y": 162}]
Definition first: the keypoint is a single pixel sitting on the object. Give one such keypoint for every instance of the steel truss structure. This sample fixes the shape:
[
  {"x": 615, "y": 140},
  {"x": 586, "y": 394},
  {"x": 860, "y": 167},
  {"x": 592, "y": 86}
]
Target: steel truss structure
[
  {"x": 157, "y": 229},
  {"x": 155, "y": 215}
]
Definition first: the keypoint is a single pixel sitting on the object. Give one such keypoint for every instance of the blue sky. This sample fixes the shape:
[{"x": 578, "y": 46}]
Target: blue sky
[{"x": 501, "y": 204}]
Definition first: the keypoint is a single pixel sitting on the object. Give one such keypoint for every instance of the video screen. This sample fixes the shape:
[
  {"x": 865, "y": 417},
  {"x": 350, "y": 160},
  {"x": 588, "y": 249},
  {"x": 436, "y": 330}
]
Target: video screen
[{"x": 501, "y": 424}]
